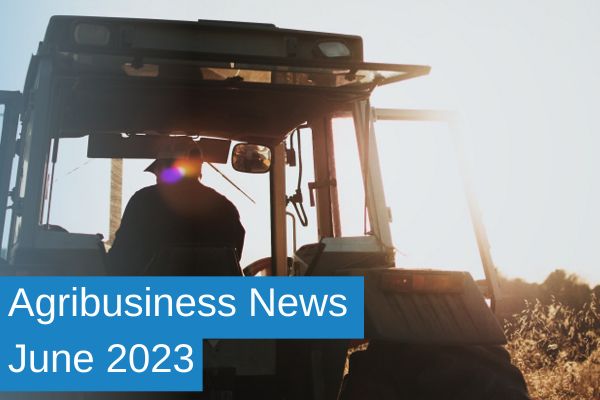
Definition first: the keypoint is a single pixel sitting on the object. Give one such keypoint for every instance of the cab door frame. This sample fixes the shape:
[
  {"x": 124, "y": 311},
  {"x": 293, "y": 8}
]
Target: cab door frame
[{"x": 452, "y": 120}]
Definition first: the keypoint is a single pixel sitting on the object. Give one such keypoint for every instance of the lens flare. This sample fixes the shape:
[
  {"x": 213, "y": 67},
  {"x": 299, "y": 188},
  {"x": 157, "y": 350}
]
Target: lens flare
[{"x": 171, "y": 174}]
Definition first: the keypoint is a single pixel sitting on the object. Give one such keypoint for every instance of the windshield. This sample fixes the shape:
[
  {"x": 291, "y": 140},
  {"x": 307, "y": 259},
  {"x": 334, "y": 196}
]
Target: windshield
[
  {"x": 81, "y": 193},
  {"x": 431, "y": 225}
]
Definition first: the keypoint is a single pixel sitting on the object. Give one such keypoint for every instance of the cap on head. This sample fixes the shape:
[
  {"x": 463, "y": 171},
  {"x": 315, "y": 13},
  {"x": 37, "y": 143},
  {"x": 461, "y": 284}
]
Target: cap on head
[
  {"x": 171, "y": 170},
  {"x": 160, "y": 164}
]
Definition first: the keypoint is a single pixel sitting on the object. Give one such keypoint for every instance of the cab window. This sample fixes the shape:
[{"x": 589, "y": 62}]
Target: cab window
[
  {"x": 431, "y": 225},
  {"x": 349, "y": 179},
  {"x": 79, "y": 197}
]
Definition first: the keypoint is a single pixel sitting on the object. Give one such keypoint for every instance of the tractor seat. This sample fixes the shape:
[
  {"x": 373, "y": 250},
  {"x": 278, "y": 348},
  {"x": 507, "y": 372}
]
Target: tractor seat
[{"x": 194, "y": 260}]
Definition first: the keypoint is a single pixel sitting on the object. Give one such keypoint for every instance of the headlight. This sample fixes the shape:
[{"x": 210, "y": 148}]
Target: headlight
[
  {"x": 91, "y": 34},
  {"x": 334, "y": 49}
]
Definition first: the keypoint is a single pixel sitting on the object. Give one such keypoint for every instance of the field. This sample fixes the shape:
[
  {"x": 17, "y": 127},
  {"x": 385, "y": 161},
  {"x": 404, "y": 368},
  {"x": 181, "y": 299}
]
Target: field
[{"x": 557, "y": 348}]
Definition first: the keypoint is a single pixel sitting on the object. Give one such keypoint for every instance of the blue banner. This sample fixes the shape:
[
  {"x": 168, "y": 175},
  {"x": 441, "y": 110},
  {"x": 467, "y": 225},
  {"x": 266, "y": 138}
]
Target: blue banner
[{"x": 145, "y": 333}]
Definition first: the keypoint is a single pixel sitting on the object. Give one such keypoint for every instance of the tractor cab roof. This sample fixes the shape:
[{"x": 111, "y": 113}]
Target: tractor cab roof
[{"x": 241, "y": 81}]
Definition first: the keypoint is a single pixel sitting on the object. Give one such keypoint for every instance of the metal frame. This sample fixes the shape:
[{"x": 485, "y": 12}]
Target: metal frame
[
  {"x": 32, "y": 174},
  {"x": 452, "y": 119},
  {"x": 278, "y": 212},
  {"x": 333, "y": 188},
  {"x": 379, "y": 216},
  {"x": 13, "y": 105},
  {"x": 323, "y": 179}
]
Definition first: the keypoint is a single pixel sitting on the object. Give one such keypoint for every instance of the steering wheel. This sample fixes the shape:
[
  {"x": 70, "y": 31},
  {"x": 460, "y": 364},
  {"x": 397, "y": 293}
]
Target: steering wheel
[
  {"x": 263, "y": 264},
  {"x": 256, "y": 267}
]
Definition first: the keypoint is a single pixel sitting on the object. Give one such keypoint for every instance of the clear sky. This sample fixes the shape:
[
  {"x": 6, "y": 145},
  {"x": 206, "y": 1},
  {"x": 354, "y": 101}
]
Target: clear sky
[{"x": 523, "y": 75}]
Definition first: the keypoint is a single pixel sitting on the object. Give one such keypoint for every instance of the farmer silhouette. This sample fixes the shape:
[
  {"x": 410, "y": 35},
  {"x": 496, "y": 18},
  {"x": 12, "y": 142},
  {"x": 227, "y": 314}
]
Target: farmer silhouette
[{"x": 177, "y": 209}]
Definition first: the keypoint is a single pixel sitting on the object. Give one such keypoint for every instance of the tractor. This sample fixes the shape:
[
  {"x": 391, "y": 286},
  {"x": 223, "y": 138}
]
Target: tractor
[{"x": 104, "y": 94}]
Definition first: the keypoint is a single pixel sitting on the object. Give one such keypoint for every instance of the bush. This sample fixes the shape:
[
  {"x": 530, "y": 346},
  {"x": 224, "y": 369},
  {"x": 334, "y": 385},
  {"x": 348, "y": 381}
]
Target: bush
[{"x": 558, "y": 349}]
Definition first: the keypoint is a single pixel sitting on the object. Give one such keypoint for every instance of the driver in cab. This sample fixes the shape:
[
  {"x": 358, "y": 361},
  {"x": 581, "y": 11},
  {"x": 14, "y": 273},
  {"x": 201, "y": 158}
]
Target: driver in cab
[{"x": 177, "y": 209}]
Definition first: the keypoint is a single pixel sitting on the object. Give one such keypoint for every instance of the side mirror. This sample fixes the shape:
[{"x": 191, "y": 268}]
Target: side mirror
[{"x": 252, "y": 158}]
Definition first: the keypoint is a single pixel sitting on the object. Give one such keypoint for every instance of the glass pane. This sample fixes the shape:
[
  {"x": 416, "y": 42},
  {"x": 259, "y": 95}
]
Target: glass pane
[
  {"x": 349, "y": 178},
  {"x": 81, "y": 195},
  {"x": 325, "y": 76},
  {"x": 256, "y": 218},
  {"x": 431, "y": 223},
  {"x": 267, "y": 74},
  {"x": 80, "y": 190},
  {"x": 319, "y": 77}
]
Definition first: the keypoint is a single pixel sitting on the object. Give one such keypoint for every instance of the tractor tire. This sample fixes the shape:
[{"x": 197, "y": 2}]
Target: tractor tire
[{"x": 392, "y": 371}]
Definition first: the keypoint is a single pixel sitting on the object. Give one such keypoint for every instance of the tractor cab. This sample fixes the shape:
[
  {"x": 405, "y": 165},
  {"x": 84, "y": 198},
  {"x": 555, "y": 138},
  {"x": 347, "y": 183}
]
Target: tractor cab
[
  {"x": 106, "y": 96},
  {"x": 103, "y": 90}
]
